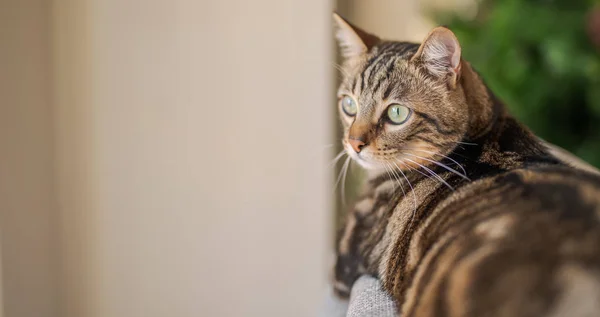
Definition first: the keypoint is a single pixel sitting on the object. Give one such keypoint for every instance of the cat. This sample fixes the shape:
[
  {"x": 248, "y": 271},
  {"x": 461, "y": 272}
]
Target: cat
[{"x": 464, "y": 212}]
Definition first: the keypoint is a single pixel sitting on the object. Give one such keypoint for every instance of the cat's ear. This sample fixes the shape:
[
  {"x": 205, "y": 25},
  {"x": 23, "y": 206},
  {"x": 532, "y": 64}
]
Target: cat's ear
[
  {"x": 440, "y": 54},
  {"x": 352, "y": 40}
]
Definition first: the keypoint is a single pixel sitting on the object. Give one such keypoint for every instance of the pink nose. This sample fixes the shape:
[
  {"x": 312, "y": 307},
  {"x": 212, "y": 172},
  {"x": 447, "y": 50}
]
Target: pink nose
[{"x": 357, "y": 145}]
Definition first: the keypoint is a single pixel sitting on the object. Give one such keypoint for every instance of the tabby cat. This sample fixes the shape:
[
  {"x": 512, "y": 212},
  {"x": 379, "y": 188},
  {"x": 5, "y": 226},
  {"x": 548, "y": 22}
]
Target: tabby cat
[{"x": 465, "y": 212}]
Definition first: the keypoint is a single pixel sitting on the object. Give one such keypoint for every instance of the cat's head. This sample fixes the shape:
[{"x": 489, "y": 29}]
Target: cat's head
[{"x": 400, "y": 103}]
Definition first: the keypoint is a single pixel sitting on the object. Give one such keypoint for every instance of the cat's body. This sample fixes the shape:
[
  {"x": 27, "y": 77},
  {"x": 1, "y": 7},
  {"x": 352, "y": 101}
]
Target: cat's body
[{"x": 504, "y": 229}]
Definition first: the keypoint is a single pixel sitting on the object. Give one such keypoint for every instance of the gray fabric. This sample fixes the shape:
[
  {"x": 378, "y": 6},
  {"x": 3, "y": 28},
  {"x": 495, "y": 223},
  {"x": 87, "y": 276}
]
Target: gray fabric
[{"x": 367, "y": 299}]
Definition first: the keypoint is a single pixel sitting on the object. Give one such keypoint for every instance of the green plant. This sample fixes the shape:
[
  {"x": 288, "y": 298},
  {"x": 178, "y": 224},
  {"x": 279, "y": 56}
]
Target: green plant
[{"x": 539, "y": 57}]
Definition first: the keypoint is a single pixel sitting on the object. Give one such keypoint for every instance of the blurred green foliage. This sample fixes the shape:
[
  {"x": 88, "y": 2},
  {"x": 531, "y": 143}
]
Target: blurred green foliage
[{"x": 539, "y": 58}]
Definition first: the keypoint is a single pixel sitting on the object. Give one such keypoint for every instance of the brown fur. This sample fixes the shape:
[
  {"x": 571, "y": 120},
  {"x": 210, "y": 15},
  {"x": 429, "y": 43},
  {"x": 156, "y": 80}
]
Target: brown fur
[{"x": 518, "y": 235}]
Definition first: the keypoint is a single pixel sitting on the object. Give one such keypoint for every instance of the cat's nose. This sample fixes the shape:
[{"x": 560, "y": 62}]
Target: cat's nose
[{"x": 357, "y": 144}]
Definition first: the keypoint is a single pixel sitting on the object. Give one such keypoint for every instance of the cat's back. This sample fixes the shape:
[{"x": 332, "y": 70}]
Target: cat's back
[
  {"x": 552, "y": 191},
  {"x": 521, "y": 243}
]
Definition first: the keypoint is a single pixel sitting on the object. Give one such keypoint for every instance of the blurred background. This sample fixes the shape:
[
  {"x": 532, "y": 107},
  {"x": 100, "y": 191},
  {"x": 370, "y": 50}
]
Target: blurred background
[{"x": 170, "y": 158}]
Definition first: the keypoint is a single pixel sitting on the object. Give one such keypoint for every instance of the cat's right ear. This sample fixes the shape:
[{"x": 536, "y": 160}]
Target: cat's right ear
[
  {"x": 352, "y": 40},
  {"x": 440, "y": 54}
]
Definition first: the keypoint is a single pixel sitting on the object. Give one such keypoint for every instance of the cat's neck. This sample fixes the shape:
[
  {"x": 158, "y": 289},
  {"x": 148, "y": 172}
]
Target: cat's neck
[{"x": 484, "y": 108}]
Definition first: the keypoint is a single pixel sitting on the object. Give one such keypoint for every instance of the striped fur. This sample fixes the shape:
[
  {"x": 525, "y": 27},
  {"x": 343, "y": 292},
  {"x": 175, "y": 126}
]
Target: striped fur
[{"x": 518, "y": 235}]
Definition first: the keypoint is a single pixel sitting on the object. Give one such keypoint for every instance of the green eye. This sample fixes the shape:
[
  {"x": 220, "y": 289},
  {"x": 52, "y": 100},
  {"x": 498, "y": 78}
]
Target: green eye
[
  {"x": 398, "y": 114},
  {"x": 349, "y": 105}
]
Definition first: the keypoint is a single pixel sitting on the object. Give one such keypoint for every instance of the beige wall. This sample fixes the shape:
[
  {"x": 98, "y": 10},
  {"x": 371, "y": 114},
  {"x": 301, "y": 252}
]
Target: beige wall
[
  {"x": 27, "y": 213},
  {"x": 391, "y": 19},
  {"x": 164, "y": 158},
  {"x": 405, "y": 20}
]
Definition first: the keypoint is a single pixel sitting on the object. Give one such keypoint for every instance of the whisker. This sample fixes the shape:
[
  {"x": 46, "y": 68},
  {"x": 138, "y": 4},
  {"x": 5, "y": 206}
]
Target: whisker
[
  {"x": 397, "y": 177},
  {"x": 340, "y": 69},
  {"x": 459, "y": 144},
  {"x": 340, "y": 173},
  {"x": 346, "y": 165},
  {"x": 441, "y": 165},
  {"x": 432, "y": 173},
  {"x": 390, "y": 175},
  {"x": 412, "y": 168},
  {"x": 319, "y": 151},
  {"x": 337, "y": 158},
  {"x": 442, "y": 155},
  {"x": 411, "y": 188},
  {"x": 436, "y": 153},
  {"x": 463, "y": 156}
]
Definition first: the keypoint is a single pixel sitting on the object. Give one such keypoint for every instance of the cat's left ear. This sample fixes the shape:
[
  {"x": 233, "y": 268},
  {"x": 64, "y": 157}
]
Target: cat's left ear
[
  {"x": 440, "y": 54},
  {"x": 353, "y": 41}
]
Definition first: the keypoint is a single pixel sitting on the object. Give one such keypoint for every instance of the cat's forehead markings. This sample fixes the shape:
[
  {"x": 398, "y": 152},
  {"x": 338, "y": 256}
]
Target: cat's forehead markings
[{"x": 353, "y": 71}]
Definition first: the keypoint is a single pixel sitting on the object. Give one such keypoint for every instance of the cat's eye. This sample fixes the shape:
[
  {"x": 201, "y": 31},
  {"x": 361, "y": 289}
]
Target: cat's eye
[
  {"x": 398, "y": 114},
  {"x": 349, "y": 105}
]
